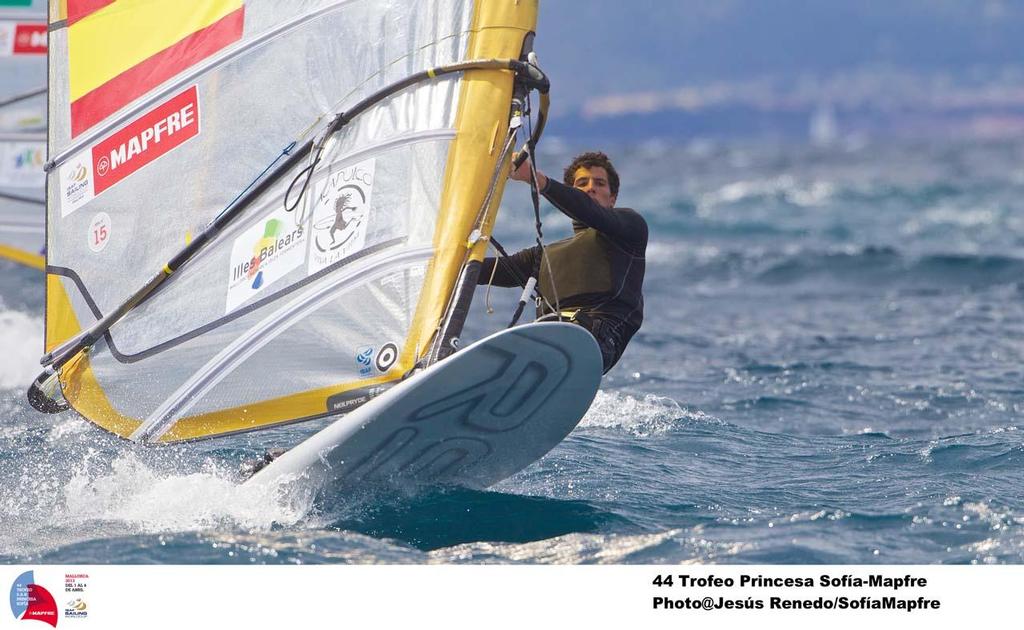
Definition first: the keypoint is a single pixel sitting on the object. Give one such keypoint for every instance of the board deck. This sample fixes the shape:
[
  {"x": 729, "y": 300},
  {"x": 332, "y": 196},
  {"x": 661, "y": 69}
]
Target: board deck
[{"x": 477, "y": 417}]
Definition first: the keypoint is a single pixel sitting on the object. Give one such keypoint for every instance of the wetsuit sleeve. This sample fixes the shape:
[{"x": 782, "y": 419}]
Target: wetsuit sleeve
[
  {"x": 512, "y": 271},
  {"x": 622, "y": 225}
]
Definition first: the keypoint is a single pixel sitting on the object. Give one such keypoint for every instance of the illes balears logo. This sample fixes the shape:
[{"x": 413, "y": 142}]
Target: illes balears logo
[
  {"x": 30, "y": 601},
  {"x": 264, "y": 250}
]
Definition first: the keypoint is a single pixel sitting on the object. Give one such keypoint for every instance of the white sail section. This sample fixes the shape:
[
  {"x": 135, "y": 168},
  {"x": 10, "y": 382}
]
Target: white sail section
[
  {"x": 285, "y": 315},
  {"x": 22, "y": 130}
]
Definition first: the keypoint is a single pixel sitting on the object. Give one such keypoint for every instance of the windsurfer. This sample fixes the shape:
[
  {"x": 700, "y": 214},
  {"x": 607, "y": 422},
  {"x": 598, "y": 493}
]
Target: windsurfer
[{"x": 595, "y": 277}]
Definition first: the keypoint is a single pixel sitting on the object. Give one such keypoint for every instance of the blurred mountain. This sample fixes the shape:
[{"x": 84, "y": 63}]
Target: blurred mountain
[{"x": 699, "y": 58}]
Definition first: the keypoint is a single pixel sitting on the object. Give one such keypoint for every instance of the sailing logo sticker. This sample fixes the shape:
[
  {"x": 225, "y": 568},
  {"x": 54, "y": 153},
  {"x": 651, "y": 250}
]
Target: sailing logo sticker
[
  {"x": 76, "y": 187},
  {"x": 340, "y": 215},
  {"x": 140, "y": 142},
  {"x": 30, "y": 601},
  {"x": 262, "y": 255},
  {"x": 76, "y": 608}
]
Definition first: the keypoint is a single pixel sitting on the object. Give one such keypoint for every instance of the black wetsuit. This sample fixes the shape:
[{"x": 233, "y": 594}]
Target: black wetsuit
[{"x": 598, "y": 273}]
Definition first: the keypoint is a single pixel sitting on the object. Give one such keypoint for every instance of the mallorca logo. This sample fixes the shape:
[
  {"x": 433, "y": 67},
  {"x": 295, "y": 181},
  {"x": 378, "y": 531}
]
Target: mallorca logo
[
  {"x": 341, "y": 214},
  {"x": 31, "y": 601}
]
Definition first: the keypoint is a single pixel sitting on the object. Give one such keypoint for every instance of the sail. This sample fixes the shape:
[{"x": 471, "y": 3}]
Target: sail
[
  {"x": 22, "y": 130},
  {"x": 164, "y": 112}
]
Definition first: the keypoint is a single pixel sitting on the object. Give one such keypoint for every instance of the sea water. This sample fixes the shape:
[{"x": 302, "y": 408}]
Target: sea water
[{"x": 829, "y": 371}]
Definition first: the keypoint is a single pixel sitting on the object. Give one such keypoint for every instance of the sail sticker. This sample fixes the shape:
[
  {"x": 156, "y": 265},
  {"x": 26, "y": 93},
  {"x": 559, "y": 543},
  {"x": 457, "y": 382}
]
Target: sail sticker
[
  {"x": 262, "y": 255},
  {"x": 340, "y": 215},
  {"x": 364, "y": 361},
  {"x": 76, "y": 185},
  {"x": 147, "y": 138},
  {"x": 386, "y": 357},
  {"x": 21, "y": 165},
  {"x": 99, "y": 232},
  {"x": 22, "y": 39}
]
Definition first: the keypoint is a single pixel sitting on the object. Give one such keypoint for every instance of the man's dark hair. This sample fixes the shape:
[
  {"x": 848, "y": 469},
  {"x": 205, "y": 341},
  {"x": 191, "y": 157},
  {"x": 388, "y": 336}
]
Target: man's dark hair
[{"x": 590, "y": 159}]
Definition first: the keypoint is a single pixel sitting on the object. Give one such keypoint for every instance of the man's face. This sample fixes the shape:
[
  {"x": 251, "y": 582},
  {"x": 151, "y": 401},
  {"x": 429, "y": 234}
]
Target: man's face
[{"x": 594, "y": 182}]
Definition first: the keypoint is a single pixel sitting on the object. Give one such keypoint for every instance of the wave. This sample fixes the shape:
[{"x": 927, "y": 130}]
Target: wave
[
  {"x": 868, "y": 265},
  {"x": 818, "y": 192},
  {"x": 641, "y": 416},
  {"x": 886, "y": 266}
]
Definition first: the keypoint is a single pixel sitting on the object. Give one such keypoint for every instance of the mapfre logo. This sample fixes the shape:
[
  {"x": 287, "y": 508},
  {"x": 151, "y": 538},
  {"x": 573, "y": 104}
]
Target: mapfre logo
[
  {"x": 30, "y": 601},
  {"x": 142, "y": 141},
  {"x": 162, "y": 129}
]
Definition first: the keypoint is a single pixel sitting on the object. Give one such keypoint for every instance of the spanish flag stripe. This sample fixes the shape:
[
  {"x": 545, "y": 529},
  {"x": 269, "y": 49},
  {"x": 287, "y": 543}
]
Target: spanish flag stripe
[
  {"x": 78, "y": 9},
  {"x": 117, "y": 91}
]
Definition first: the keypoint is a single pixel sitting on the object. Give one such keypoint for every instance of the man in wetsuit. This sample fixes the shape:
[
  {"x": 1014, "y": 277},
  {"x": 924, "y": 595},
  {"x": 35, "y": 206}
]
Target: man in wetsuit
[{"x": 595, "y": 278}]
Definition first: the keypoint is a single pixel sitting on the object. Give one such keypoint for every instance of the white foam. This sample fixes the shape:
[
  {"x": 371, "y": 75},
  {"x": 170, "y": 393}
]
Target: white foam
[
  {"x": 149, "y": 501},
  {"x": 642, "y": 417},
  {"x": 21, "y": 340},
  {"x": 568, "y": 549}
]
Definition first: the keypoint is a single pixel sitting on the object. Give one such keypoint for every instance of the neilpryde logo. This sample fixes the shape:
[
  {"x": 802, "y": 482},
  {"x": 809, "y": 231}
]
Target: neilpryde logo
[{"x": 31, "y": 601}]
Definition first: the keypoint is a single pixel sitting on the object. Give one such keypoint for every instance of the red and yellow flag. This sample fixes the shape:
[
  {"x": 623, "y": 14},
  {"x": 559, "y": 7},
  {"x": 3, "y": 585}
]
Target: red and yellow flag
[{"x": 121, "y": 49}]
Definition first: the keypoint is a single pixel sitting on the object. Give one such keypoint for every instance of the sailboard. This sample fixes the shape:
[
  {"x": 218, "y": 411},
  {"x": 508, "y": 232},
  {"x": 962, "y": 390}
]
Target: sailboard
[
  {"x": 474, "y": 419},
  {"x": 22, "y": 130},
  {"x": 260, "y": 212}
]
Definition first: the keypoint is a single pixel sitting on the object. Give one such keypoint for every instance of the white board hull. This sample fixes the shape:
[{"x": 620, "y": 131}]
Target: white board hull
[{"x": 472, "y": 420}]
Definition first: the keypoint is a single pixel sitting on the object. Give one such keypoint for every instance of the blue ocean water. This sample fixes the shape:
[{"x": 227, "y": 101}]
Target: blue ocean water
[{"x": 830, "y": 371}]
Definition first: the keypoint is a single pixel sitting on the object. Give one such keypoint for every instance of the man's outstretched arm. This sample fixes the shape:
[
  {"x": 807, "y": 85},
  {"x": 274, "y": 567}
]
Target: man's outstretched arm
[
  {"x": 512, "y": 271},
  {"x": 626, "y": 227}
]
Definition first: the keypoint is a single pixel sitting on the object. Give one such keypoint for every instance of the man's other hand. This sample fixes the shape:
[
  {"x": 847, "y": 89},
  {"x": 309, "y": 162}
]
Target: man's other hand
[{"x": 522, "y": 174}]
